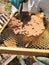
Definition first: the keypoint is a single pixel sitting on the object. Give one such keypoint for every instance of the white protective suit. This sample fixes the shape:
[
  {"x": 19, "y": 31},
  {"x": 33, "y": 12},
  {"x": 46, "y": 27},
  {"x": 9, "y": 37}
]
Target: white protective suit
[{"x": 35, "y": 6}]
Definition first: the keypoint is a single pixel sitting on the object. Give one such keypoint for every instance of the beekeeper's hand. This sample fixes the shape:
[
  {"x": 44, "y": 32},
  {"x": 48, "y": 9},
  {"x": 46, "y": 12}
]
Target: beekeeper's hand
[{"x": 44, "y": 60}]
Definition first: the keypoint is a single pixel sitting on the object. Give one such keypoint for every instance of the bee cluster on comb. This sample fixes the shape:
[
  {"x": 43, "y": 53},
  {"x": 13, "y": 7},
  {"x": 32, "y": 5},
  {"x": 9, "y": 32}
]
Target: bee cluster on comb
[{"x": 30, "y": 25}]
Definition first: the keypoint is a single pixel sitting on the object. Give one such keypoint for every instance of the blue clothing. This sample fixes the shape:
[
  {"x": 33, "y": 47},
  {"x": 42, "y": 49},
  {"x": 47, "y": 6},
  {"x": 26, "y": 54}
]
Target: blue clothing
[{"x": 16, "y": 3}]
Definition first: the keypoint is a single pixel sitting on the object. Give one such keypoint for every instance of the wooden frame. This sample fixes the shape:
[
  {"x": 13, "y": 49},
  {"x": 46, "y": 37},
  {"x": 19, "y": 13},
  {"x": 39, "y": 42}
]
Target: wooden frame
[{"x": 24, "y": 51}]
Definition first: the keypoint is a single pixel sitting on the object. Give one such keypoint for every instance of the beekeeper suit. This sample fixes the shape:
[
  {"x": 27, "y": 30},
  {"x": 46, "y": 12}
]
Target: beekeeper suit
[{"x": 36, "y": 5}]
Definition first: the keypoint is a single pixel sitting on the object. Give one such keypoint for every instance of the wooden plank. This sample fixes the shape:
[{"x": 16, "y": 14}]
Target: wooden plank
[
  {"x": 24, "y": 51},
  {"x": 9, "y": 60},
  {"x": 7, "y": 21}
]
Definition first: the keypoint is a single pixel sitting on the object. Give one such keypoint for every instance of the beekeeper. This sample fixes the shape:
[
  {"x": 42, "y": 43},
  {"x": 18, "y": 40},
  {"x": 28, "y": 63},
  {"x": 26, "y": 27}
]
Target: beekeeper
[{"x": 32, "y": 5}]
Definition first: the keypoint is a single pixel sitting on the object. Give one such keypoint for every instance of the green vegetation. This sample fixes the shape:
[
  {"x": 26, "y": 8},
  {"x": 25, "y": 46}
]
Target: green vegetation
[
  {"x": 5, "y": 5},
  {"x": 8, "y": 7}
]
